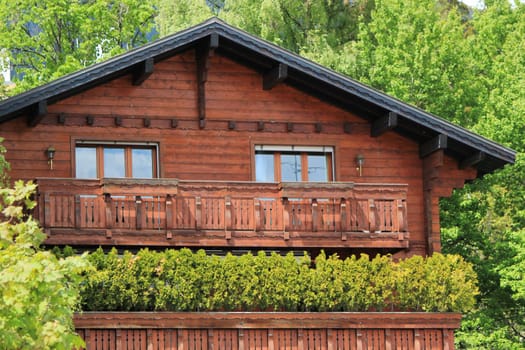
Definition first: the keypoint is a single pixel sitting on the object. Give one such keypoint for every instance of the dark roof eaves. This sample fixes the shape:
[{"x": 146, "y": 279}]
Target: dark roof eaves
[
  {"x": 97, "y": 71},
  {"x": 439, "y": 125},
  {"x": 118, "y": 63}
]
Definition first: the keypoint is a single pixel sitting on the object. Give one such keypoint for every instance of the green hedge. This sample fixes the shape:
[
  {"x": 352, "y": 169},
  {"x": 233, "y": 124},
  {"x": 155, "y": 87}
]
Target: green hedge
[{"x": 181, "y": 280}]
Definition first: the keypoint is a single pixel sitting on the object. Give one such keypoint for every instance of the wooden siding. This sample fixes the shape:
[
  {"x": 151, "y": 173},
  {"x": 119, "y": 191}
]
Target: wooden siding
[
  {"x": 265, "y": 331},
  {"x": 218, "y": 152}
]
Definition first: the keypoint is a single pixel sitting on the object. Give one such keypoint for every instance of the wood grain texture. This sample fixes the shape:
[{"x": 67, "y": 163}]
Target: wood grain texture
[
  {"x": 234, "y": 94},
  {"x": 276, "y": 330}
]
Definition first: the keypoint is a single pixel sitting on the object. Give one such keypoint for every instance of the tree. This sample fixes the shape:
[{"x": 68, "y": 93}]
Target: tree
[
  {"x": 175, "y": 15},
  {"x": 39, "y": 292},
  {"x": 417, "y": 51},
  {"x": 49, "y": 38}
]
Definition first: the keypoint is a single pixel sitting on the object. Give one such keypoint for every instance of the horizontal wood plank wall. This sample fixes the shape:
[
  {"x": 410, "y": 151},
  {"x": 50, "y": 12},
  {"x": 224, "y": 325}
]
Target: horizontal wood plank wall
[
  {"x": 320, "y": 331},
  {"x": 234, "y": 93}
]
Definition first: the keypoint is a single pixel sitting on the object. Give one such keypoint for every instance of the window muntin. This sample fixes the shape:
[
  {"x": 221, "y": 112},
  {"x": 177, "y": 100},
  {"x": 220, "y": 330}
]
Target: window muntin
[
  {"x": 115, "y": 161},
  {"x": 293, "y": 163}
]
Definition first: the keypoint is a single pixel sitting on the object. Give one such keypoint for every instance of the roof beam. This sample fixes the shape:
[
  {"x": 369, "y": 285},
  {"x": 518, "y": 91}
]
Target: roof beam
[
  {"x": 383, "y": 124},
  {"x": 275, "y": 76},
  {"x": 433, "y": 145},
  {"x": 38, "y": 112},
  {"x": 472, "y": 160},
  {"x": 143, "y": 71},
  {"x": 203, "y": 53}
]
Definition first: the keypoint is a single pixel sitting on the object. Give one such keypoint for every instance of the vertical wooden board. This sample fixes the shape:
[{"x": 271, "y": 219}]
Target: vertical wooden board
[
  {"x": 345, "y": 339},
  {"x": 256, "y": 339},
  {"x": 184, "y": 212},
  {"x": 243, "y": 214},
  {"x": 168, "y": 340},
  {"x": 285, "y": 339},
  {"x": 213, "y": 213},
  {"x": 225, "y": 339},
  {"x": 112, "y": 339}
]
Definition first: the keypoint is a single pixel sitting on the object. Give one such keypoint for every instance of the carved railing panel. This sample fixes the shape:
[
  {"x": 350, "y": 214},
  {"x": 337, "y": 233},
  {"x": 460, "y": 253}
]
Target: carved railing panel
[{"x": 171, "y": 205}]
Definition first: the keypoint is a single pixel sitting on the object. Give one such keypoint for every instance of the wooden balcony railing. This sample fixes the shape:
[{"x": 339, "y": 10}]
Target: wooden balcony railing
[
  {"x": 218, "y": 211},
  {"x": 268, "y": 330}
]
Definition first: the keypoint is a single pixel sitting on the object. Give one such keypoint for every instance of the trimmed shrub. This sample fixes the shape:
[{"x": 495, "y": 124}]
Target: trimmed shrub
[{"x": 182, "y": 280}]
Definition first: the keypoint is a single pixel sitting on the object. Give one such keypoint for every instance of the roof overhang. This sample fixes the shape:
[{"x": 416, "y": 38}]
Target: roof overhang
[{"x": 386, "y": 112}]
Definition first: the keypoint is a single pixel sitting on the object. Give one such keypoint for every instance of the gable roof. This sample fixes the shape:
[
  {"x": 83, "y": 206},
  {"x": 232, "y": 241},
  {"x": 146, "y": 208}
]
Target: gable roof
[{"x": 385, "y": 112}]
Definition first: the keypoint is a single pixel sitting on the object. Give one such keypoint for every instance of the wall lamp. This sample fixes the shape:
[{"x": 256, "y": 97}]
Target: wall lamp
[
  {"x": 50, "y": 156},
  {"x": 359, "y": 161}
]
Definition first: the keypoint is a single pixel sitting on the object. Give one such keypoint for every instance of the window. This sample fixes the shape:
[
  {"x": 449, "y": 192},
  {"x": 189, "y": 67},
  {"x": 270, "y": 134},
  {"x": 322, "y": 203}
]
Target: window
[
  {"x": 293, "y": 163},
  {"x": 115, "y": 160}
]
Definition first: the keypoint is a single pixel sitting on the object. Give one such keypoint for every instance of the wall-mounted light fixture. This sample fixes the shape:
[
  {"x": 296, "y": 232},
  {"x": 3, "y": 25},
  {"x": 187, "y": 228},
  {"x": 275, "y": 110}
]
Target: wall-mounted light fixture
[
  {"x": 50, "y": 156},
  {"x": 359, "y": 161}
]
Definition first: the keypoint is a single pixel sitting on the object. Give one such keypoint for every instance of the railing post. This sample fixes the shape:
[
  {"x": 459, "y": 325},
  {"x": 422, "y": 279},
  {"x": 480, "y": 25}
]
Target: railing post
[
  {"x": 228, "y": 217},
  {"x": 359, "y": 339},
  {"x": 286, "y": 218},
  {"x": 402, "y": 215},
  {"x": 47, "y": 210},
  {"x": 169, "y": 216},
  {"x": 257, "y": 213},
  {"x": 372, "y": 216},
  {"x": 315, "y": 215},
  {"x": 198, "y": 213},
  {"x": 240, "y": 345},
  {"x": 343, "y": 218},
  {"x": 109, "y": 207},
  {"x": 78, "y": 210},
  {"x": 139, "y": 212}
]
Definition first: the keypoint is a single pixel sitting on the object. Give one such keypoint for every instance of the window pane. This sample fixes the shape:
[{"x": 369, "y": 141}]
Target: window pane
[
  {"x": 142, "y": 163},
  {"x": 114, "y": 162},
  {"x": 264, "y": 168},
  {"x": 290, "y": 167},
  {"x": 317, "y": 169},
  {"x": 86, "y": 162}
]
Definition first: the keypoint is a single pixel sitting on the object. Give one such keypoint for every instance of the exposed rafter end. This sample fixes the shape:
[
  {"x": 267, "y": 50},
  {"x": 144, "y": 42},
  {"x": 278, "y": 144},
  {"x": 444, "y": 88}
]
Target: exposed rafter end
[
  {"x": 347, "y": 127},
  {"x": 472, "y": 160},
  {"x": 203, "y": 53},
  {"x": 38, "y": 112},
  {"x": 143, "y": 71},
  {"x": 275, "y": 76},
  {"x": 433, "y": 145},
  {"x": 61, "y": 119},
  {"x": 383, "y": 124}
]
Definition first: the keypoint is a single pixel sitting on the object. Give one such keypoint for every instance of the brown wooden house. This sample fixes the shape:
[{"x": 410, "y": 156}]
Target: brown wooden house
[{"x": 213, "y": 138}]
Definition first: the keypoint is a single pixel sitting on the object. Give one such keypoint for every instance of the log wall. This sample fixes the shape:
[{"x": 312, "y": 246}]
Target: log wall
[
  {"x": 239, "y": 115},
  {"x": 247, "y": 331}
]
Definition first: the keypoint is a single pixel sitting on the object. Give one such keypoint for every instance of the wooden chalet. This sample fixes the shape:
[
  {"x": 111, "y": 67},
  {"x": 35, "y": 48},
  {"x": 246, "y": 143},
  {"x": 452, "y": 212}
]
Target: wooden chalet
[{"x": 213, "y": 138}]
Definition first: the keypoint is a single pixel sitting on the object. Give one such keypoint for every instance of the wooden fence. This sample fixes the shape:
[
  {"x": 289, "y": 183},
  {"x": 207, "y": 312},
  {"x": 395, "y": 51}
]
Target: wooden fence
[{"x": 268, "y": 331}]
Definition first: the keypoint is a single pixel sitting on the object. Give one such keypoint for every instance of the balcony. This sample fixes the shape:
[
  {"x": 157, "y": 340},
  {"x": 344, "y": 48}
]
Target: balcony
[{"x": 169, "y": 212}]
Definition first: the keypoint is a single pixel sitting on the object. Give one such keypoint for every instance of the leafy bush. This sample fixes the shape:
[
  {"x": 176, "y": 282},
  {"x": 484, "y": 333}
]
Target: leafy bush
[{"x": 182, "y": 280}]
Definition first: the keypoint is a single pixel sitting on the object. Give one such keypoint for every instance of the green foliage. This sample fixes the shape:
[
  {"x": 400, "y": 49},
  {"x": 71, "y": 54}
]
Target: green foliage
[
  {"x": 39, "y": 292},
  {"x": 485, "y": 223},
  {"x": 180, "y": 280},
  {"x": 176, "y": 15},
  {"x": 50, "y": 38},
  {"x": 465, "y": 65}
]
